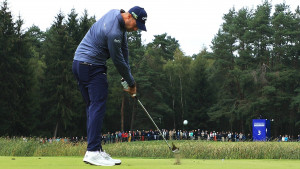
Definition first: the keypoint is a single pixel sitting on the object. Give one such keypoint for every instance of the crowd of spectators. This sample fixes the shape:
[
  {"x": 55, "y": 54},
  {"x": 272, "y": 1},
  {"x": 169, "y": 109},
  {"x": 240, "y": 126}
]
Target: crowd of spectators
[
  {"x": 148, "y": 135},
  {"x": 50, "y": 139},
  {"x": 174, "y": 135},
  {"x": 145, "y": 135}
]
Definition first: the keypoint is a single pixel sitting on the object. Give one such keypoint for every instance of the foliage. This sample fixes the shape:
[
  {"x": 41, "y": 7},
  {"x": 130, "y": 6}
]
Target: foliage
[{"x": 251, "y": 72}]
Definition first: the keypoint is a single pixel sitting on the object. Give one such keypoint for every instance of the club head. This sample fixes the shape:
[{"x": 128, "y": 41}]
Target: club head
[
  {"x": 175, "y": 151},
  {"x": 174, "y": 148}
]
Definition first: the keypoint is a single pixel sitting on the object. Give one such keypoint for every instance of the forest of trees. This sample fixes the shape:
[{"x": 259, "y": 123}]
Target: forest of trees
[{"x": 251, "y": 72}]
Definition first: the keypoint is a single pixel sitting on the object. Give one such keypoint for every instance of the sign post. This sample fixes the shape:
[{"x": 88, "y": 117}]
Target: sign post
[{"x": 261, "y": 129}]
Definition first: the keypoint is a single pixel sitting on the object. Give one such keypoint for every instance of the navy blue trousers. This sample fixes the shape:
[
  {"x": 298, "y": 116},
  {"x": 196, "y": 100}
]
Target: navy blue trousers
[{"x": 92, "y": 82}]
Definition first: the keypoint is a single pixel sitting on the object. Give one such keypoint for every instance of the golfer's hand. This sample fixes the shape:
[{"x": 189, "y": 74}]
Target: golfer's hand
[{"x": 131, "y": 91}]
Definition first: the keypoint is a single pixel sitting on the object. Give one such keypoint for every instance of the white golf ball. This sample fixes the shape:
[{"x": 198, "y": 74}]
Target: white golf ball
[{"x": 185, "y": 122}]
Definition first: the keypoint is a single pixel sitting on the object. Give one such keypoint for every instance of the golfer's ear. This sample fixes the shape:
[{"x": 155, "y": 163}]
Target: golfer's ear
[{"x": 129, "y": 15}]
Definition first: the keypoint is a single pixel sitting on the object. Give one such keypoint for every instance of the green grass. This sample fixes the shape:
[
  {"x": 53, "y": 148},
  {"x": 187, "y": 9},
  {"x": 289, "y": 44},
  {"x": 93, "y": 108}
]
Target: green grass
[
  {"x": 142, "y": 163},
  {"x": 154, "y": 154}
]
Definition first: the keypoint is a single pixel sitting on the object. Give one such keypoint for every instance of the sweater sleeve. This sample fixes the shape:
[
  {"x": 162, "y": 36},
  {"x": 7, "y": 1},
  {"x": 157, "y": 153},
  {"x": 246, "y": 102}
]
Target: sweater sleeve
[{"x": 118, "y": 49}]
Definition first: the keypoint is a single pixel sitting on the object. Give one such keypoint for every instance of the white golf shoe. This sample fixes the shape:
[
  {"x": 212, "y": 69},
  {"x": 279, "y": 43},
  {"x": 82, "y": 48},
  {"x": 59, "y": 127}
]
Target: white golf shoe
[
  {"x": 108, "y": 157},
  {"x": 95, "y": 158}
]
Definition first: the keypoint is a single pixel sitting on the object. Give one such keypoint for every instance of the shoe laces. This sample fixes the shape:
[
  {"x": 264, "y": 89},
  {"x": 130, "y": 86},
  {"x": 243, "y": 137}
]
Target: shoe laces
[
  {"x": 105, "y": 155},
  {"x": 99, "y": 156}
]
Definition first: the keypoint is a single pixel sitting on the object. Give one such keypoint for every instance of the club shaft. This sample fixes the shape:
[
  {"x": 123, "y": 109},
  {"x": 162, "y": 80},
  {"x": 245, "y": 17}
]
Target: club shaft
[{"x": 153, "y": 122}]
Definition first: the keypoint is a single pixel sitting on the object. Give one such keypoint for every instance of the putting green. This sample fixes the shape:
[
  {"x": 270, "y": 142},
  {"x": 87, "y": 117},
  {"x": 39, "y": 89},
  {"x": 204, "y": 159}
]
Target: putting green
[{"x": 140, "y": 163}]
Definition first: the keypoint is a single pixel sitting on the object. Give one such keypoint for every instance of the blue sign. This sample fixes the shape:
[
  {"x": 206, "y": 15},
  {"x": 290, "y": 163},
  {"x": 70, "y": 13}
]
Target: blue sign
[{"x": 260, "y": 129}]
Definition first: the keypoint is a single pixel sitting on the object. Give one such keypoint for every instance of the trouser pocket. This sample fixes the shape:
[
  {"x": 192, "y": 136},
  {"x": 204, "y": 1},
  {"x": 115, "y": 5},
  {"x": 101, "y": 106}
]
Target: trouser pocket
[{"x": 83, "y": 72}]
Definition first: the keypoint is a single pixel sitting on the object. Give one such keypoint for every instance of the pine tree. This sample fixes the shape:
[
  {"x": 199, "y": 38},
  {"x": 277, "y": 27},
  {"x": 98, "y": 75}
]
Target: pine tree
[
  {"x": 242, "y": 32},
  {"x": 8, "y": 95},
  {"x": 283, "y": 25},
  {"x": 16, "y": 102},
  {"x": 165, "y": 46},
  {"x": 85, "y": 23},
  {"x": 59, "y": 87},
  {"x": 199, "y": 94},
  {"x": 36, "y": 65},
  {"x": 261, "y": 32}
]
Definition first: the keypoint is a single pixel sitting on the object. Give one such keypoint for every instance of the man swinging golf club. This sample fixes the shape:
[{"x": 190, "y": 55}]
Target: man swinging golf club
[{"x": 106, "y": 38}]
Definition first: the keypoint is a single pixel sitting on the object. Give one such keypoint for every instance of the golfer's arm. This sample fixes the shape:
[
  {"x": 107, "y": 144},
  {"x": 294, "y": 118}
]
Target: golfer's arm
[{"x": 121, "y": 63}]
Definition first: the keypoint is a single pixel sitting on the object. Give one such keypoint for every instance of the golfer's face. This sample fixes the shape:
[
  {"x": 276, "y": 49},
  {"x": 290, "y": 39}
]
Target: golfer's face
[{"x": 131, "y": 25}]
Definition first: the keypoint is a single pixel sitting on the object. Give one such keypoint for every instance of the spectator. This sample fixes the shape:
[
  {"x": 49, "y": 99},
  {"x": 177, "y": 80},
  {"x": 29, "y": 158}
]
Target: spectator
[
  {"x": 229, "y": 136},
  {"x": 184, "y": 135},
  {"x": 129, "y": 136},
  {"x": 143, "y": 135},
  {"x": 199, "y": 134},
  {"x": 283, "y": 138},
  {"x": 223, "y": 136},
  {"x": 167, "y": 134},
  {"x": 241, "y": 136},
  {"x": 138, "y": 135},
  {"x": 164, "y": 132},
  {"x": 214, "y": 136},
  {"x": 286, "y": 138},
  {"x": 218, "y": 136},
  {"x": 174, "y": 134},
  {"x": 149, "y": 135},
  {"x": 191, "y": 134},
  {"x": 202, "y": 135},
  {"x": 170, "y": 134},
  {"x": 237, "y": 137},
  {"x": 211, "y": 136},
  {"x": 206, "y": 135},
  {"x": 178, "y": 135},
  {"x": 108, "y": 138}
]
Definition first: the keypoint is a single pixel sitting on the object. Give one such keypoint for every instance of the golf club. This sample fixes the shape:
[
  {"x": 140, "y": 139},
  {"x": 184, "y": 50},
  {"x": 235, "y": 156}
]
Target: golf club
[{"x": 174, "y": 149}]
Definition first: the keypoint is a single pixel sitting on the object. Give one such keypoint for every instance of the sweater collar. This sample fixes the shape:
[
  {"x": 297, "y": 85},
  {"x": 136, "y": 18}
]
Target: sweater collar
[{"x": 121, "y": 21}]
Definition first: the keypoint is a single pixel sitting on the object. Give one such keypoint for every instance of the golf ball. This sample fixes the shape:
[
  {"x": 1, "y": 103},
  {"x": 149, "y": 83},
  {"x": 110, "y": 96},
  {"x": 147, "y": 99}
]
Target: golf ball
[{"x": 185, "y": 122}]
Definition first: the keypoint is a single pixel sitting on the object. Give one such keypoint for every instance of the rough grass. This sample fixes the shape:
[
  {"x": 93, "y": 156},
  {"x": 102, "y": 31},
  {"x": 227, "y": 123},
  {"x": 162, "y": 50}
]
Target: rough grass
[
  {"x": 158, "y": 149},
  {"x": 19, "y": 147},
  {"x": 209, "y": 150}
]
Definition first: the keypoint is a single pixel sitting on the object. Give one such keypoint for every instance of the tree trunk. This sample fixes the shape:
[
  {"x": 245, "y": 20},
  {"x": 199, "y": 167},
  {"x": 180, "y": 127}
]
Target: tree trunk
[
  {"x": 181, "y": 99},
  {"x": 122, "y": 113},
  {"x": 173, "y": 103},
  {"x": 132, "y": 116},
  {"x": 174, "y": 117},
  {"x": 55, "y": 131}
]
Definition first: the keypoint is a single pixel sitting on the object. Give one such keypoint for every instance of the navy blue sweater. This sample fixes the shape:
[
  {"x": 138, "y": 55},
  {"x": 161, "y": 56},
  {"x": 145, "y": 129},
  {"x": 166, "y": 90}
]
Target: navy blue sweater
[{"x": 107, "y": 38}]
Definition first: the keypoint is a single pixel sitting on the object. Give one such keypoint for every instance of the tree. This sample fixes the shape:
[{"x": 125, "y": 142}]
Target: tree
[
  {"x": 295, "y": 105},
  {"x": 223, "y": 51},
  {"x": 8, "y": 95},
  {"x": 164, "y": 46},
  {"x": 199, "y": 92},
  {"x": 261, "y": 32},
  {"x": 17, "y": 103},
  {"x": 85, "y": 22},
  {"x": 178, "y": 71},
  {"x": 296, "y": 47},
  {"x": 284, "y": 31},
  {"x": 242, "y": 33},
  {"x": 59, "y": 84},
  {"x": 72, "y": 28}
]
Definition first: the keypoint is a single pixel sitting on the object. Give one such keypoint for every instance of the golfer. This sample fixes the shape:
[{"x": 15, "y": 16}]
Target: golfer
[{"x": 107, "y": 38}]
